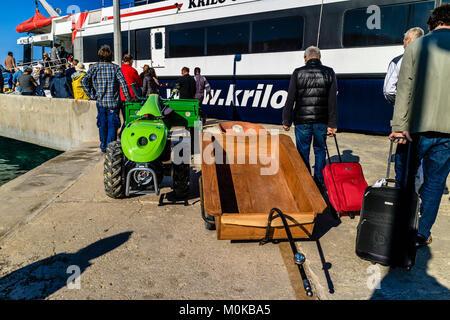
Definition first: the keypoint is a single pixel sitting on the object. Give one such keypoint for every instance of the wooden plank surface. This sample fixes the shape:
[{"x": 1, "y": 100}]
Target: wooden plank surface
[
  {"x": 241, "y": 197},
  {"x": 211, "y": 194},
  {"x": 260, "y": 219},
  {"x": 298, "y": 177},
  {"x": 256, "y": 193},
  {"x": 235, "y": 232}
]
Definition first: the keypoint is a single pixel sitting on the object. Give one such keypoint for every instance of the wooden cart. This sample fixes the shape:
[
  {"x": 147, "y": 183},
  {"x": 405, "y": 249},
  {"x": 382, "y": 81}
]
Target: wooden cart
[{"x": 237, "y": 197}]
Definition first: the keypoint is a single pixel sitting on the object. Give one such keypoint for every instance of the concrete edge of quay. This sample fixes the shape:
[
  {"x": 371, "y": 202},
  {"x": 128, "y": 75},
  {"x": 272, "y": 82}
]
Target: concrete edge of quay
[
  {"x": 59, "y": 124},
  {"x": 335, "y": 272},
  {"x": 22, "y": 203}
]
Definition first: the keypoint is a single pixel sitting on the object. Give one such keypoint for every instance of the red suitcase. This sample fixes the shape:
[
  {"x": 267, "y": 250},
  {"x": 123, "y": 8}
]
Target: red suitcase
[{"x": 345, "y": 185}]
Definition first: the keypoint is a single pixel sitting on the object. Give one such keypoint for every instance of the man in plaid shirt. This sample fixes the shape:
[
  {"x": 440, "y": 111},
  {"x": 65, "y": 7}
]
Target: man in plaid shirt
[{"x": 102, "y": 83}]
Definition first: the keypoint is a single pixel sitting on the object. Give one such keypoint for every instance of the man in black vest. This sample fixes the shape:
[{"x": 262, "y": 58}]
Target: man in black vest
[
  {"x": 186, "y": 84},
  {"x": 313, "y": 89}
]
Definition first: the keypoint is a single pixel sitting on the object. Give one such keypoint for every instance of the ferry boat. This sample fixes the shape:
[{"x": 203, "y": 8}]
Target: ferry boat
[{"x": 357, "y": 39}]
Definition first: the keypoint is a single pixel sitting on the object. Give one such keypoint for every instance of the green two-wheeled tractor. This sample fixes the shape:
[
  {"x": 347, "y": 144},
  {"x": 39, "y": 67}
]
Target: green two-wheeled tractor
[{"x": 138, "y": 162}]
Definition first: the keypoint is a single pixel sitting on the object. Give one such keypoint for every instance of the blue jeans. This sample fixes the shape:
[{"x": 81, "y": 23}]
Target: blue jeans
[
  {"x": 108, "y": 122},
  {"x": 434, "y": 152},
  {"x": 400, "y": 157},
  {"x": 304, "y": 133}
]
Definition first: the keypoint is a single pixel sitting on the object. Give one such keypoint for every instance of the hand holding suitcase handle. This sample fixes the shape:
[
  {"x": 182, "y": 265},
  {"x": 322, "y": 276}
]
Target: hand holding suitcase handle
[{"x": 394, "y": 140}]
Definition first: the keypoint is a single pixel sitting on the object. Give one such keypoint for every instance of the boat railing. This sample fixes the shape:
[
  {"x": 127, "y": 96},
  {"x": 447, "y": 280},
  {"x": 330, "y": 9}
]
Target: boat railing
[
  {"x": 52, "y": 64},
  {"x": 124, "y": 4}
]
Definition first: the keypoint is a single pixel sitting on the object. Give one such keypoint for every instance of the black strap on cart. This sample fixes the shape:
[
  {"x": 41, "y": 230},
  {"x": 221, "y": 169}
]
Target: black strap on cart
[{"x": 299, "y": 258}]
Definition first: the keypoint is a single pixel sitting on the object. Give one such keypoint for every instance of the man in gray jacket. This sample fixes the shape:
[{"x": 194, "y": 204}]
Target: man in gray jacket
[
  {"x": 421, "y": 114},
  {"x": 390, "y": 93}
]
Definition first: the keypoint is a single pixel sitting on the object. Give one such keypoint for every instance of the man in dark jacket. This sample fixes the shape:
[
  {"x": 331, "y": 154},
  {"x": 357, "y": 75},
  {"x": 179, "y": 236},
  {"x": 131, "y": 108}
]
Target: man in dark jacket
[
  {"x": 60, "y": 87},
  {"x": 27, "y": 83},
  {"x": 186, "y": 84},
  {"x": 313, "y": 90}
]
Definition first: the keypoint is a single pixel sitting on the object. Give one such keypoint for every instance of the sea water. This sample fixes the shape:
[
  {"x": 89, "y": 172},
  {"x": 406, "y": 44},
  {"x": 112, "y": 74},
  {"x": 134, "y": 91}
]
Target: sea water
[{"x": 17, "y": 158}]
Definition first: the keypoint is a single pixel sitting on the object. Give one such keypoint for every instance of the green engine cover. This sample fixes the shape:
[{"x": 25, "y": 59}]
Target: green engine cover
[
  {"x": 151, "y": 106},
  {"x": 144, "y": 140}
]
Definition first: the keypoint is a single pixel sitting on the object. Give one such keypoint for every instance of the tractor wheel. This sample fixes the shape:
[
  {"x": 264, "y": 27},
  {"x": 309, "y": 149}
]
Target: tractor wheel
[
  {"x": 210, "y": 223},
  {"x": 181, "y": 178},
  {"x": 114, "y": 171}
]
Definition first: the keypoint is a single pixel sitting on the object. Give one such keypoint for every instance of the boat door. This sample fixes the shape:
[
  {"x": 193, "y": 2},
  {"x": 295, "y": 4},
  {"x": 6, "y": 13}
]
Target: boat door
[{"x": 158, "y": 47}]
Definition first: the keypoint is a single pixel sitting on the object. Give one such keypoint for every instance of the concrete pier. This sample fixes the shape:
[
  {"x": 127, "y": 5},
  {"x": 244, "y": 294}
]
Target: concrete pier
[
  {"x": 58, "y": 124},
  {"x": 58, "y": 216}
]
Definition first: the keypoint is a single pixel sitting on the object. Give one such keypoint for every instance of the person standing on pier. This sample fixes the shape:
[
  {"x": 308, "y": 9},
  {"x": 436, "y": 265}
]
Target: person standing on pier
[
  {"x": 77, "y": 78},
  {"x": 54, "y": 55},
  {"x": 60, "y": 87},
  {"x": 27, "y": 83},
  {"x": 131, "y": 76},
  {"x": 17, "y": 89},
  {"x": 390, "y": 93},
  {"x": 421, "y": 115},
  {"x": 313, "y": 90},
  {"x": 10, "y": 63},
  {"x": 103, "y": 82},
  {"x": 186, "y": 84}
]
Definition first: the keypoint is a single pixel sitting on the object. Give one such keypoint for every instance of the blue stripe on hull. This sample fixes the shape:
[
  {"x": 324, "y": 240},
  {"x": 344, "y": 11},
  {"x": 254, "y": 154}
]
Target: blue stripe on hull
[{"x": 361, "y": 104}]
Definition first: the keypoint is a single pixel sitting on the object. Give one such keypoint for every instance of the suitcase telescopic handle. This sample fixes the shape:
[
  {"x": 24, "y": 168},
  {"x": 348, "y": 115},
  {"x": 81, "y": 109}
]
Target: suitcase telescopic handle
[
  {"x": 391, "y": 148},
  {"x": 337, "y": 147}
]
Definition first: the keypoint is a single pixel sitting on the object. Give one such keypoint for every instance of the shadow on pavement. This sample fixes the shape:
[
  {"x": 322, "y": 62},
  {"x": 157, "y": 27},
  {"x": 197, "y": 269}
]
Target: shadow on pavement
[
  {"x": 347, "y": 156},
  {"x": 42, "y": 278},
  {"x": 416, "y": 284}
]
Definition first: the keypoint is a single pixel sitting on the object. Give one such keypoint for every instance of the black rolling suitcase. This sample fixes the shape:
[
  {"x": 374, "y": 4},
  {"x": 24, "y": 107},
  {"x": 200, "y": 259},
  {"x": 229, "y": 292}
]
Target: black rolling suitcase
[{"x": 388, "y": 223}]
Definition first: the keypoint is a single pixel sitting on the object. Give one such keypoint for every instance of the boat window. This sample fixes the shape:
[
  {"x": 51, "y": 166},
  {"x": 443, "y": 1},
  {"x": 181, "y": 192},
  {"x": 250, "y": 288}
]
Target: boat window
[
  {"x": 143, "y": 44},
  {"x": 91, "y": 44},
  {"x": 388, "y": 28},
  {"x": 187, "y": 43},
  {"x": 142, "y": 2},
  {"x": 284, "y": 34},
  {"x": 228, "y": 39},
  {"x": 158, "y": 40},
  {"x": 128, "y": 42}
]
